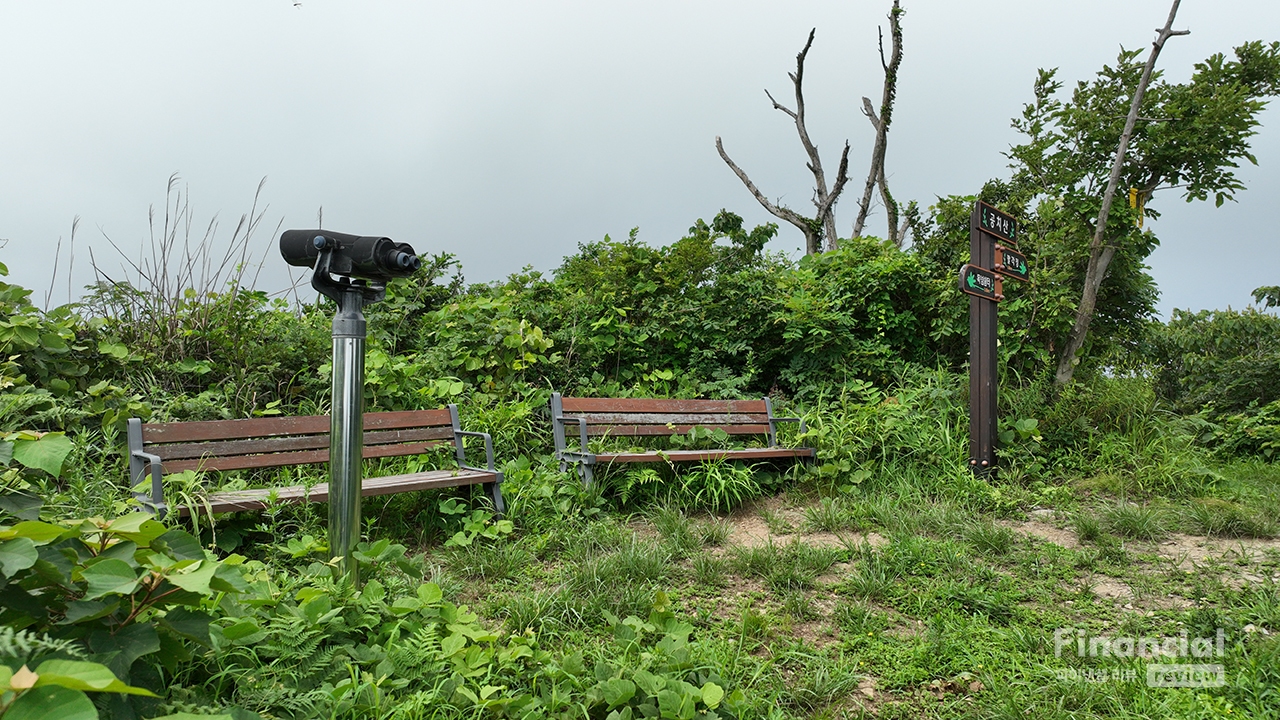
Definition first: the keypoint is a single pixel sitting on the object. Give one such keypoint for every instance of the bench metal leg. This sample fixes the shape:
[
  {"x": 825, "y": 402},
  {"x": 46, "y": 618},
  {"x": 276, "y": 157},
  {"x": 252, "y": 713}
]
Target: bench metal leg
[
  {"x": 495, "y": 491},
  {"x": 585, "y": 472}
]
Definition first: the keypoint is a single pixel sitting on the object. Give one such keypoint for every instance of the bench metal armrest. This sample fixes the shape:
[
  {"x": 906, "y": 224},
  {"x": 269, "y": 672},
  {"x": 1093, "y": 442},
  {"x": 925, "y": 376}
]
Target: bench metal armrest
[
  {"x": 488, "y": 446},
  {"x": 773, "y": 429},
  {"x": 155, "y": 501},
  {"x": 582, "y": 429}
]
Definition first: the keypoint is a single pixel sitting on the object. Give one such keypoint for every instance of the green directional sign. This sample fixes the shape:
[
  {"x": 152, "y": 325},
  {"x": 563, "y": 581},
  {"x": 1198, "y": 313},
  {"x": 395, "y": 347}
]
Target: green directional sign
[
  {"x": 979, "y": 282},
  {"x": 1011, "y": 264},
  {"x": 994, "y": 222}
]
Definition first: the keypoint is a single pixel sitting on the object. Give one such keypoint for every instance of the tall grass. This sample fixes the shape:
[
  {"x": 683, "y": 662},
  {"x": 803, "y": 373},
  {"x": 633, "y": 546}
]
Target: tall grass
[{"x": 168, "y": 300}]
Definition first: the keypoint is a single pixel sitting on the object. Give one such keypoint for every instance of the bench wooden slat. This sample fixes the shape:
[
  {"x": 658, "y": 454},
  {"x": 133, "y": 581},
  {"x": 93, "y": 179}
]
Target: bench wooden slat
[
  {"x": 701, "y": 455},
  {"x": 257, "y": 499},
  {"x": 659, "y": 405},
  {"x": 665, "y": 418},
  {"x": 277, "y": 426},
  {"x": 662, "y": 430},
  {"x": 304, "y": 457},
  {"x": 182, "y": 451}
]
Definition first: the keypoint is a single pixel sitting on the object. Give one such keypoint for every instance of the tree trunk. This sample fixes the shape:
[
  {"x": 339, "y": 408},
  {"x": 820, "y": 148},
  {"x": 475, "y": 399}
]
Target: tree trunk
[
  {"x": 880, "y": 121},
  {"x": 1100, "y": 254}
]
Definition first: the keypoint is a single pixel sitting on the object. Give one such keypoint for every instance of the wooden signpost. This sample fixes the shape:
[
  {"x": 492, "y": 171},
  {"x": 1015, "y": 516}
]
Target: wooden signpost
[{"x": 993, "y": 237}]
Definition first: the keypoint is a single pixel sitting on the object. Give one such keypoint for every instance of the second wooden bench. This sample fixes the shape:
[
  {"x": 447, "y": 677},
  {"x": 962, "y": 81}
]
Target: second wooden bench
[{"x": 585, "y": 418}]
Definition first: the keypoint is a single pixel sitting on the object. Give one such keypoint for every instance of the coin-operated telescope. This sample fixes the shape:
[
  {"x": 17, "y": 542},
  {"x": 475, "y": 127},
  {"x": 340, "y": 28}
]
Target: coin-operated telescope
[{"x": 353, "y": 271}]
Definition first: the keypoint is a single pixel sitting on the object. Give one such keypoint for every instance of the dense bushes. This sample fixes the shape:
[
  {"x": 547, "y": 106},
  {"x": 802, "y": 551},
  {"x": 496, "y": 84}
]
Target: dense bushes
[
  {"x": 711, "y": 315},
  {"x": 1224, "y": 360}
]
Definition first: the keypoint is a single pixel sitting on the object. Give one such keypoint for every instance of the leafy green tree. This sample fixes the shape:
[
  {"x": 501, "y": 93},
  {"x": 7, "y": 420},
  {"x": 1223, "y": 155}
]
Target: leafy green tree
[
  {"x": 1267, "y": 296},
  {"x": 1188, "y": 137}
]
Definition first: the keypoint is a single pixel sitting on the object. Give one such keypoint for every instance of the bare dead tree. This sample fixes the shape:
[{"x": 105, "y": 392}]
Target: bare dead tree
[
  {"x": 1100, "y": 252},
  {"x": 823, "y": 223},
  {"x": 880, "y": 121}
]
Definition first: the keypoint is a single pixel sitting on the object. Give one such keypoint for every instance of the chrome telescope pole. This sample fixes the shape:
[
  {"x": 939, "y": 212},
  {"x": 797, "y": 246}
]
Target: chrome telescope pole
[
  {"x": 346, "y": 414},
  {"x": 346, "y": 428}
]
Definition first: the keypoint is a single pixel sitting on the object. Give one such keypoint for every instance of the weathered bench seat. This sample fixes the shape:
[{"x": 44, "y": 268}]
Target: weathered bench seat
[
  {"x": 585, "y": 418},
  {"x": 159, "y": 449}
]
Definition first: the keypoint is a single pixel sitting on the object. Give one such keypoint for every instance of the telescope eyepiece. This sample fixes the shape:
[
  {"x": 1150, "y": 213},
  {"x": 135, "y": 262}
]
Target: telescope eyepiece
[{"x": 405, "y": 261}]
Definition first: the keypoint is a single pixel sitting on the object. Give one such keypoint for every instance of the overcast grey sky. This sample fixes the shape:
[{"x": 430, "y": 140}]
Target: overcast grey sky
[{"x": 509, "y": 132}]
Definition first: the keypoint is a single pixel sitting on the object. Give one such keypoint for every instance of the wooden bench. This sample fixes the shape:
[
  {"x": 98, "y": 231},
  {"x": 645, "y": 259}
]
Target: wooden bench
[
  {"x": 224, "y": 445},
  {"x": 641, "y": 417}
]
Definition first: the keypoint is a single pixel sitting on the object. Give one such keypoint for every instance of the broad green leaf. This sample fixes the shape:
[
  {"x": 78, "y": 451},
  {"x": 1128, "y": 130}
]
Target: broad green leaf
[
  {"x": 430, "y": 593},
  {"x": 196, "y": 577},
  {"x": 53, "y": 341},
  {"x": 228, "y": 579},
  {"x": 88, "y": 676},
  {"x": 23, "y": 506},
  {"x": 109, "y": 576},
  {"x": 41, "y": 533},
  {"x": 121, "y": 649},
  {"x": 45, "y": 453},
  {"x": 87, "y": 610},
  {"x": 52, "y": 703},
  {"x": 617, "y": 691},
  {"x": 140, "y": 527},
  {"x": 672, "y": 705},
  {"x": 173, "y": 654},
  {"x": 125, "y": 551},
  {"x": 27, "y": 334},
  {"x": 649, "y": 682},
  {"x": 180, "y": 544},
  {"x": 405, "y": 605},
  {"x": 373, "y": 592},
  {"x": 307, "y": 594},
  {"x": 314, "y": 610},
  {"x": 6, "y": 452},
  {"x": 452, "y": 644},
  {"x": 17, "y": 554},
  {"x": 115, "y": 350},
  {"x": 712, "y": 694},
  {"x": 190, "y": 716},
  {"x": 189, "y": 623},
  {"x": 242, "y": 629}
]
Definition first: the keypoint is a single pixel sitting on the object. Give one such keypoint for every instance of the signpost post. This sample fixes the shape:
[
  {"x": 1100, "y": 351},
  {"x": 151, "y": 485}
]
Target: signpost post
[{"x": 990, "y": 260}]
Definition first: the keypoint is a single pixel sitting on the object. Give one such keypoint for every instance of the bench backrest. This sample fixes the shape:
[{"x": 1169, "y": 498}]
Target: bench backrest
[
  {"x": 659, "y": 416},
  {"x": 281, "y": 441}
]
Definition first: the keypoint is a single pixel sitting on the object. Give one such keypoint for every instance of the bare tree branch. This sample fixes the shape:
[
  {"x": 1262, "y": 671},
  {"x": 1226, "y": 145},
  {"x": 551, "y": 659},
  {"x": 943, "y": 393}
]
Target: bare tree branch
[
  {"x": 823, "y": 224},
  {"x": 823, "y": 200},
  {"x": 881, "y": 121},
  {"x": 812, "y": 241},
  {"x": 1100, "y": 252},
  {"x": 779, "y": 106}
]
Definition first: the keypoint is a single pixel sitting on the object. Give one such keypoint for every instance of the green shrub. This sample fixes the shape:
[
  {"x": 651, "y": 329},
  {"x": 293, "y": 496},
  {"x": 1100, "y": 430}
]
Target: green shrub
[
  {"x": 129, "y": 592},
  {"x": 1225, "y": 360},
  {"x": 854, "y": 313}
]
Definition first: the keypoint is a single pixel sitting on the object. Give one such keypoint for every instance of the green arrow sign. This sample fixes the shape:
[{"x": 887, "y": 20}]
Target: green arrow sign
[
  {"x": 1011, "y": 264},
  {"x": 979, "y": 282}
]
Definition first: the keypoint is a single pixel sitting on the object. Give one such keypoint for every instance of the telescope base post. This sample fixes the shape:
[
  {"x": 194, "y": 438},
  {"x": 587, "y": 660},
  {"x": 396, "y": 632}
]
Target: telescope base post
[{"x": 346, "y": 429}]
